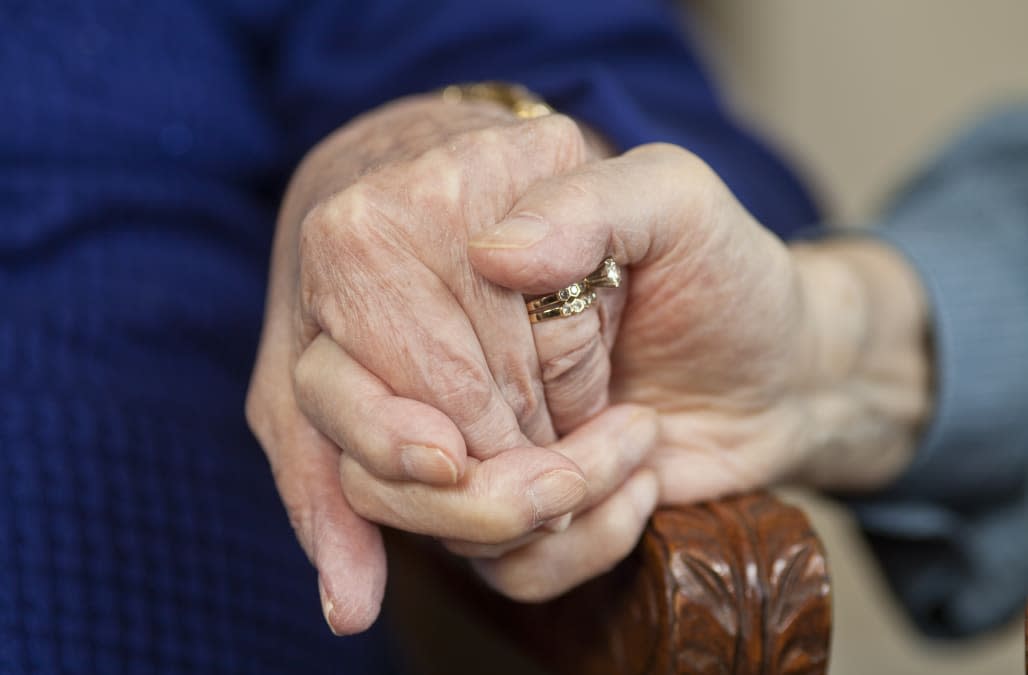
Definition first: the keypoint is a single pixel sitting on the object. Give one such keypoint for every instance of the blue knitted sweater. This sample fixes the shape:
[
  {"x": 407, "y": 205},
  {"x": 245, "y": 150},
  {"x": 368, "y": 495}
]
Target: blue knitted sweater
[
  {"x": 144, "y": 148},
  {"x": 143, "y": 151}
]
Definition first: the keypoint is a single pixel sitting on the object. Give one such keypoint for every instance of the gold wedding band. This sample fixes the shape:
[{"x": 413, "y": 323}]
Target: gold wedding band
[
  {"x": 570, "y": 308},
  {"x": 575, "y": 298},
  {"x": 566, "y": 294}
]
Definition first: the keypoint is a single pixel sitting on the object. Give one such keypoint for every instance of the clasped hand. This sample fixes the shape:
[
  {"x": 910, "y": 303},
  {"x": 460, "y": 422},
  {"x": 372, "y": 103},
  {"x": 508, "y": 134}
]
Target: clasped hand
[{"x": 400, "y": 383}]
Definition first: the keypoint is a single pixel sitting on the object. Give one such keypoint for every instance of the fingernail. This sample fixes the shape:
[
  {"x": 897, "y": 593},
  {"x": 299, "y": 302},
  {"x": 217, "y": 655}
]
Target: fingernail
[
  {"x": 556, "y": 493},
  {"x": 517, "y": 232},
  {"x": 643, "y": 492},
  {"x": 557, "y": 525},
  {"x": 428, "y": 464},
  {"x": 326, "y": 606}
]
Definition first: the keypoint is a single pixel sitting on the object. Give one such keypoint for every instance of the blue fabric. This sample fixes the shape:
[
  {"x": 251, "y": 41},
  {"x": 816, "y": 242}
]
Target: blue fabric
[
  {"x": 952, "y": 532},
  {"x": 143, "y": 150}
]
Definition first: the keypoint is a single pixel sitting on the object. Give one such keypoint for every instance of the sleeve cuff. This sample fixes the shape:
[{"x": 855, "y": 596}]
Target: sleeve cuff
[{"x": 976, "y": 275}]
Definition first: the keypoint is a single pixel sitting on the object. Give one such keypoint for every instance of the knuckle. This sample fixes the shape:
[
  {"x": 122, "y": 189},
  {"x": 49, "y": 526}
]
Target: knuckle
[
  {"x": 317, "y": 229},
  {"x": 305, "y": 374},
  {"x": 577, "y": 383},
  {"x": 677, "y": 166},
  {"x": 578, "y": 349},
  {"x": 675, "y": 155},
  {"x": 339, "y": 222},
  {"x": 465, "y": 391},
  {"x": 264, "y": 415},
  {"x": 565, "y": 135},
  {"x": 686, "y": 167},
  {"x": 435, "y": 182},
  {"x": 485, "y": 139},
  {"x": 463, "y": 386},
  {"x": 522, "y": 392},
  {"x": 344, "y": 244}
]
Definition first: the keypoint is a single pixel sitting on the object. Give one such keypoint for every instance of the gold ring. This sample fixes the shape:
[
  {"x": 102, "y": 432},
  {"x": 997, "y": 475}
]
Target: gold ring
[
  {"x": 566, "y": 294},
  {"x": 577, "y": 297},
  {"x": 569, "y": 308}
]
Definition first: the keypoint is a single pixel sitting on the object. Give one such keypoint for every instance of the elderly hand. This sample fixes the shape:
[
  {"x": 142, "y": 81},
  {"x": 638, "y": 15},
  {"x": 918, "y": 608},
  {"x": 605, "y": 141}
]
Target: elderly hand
[
  {"x": 765, "y": 362},
  {"x": 389, "y": 368}
]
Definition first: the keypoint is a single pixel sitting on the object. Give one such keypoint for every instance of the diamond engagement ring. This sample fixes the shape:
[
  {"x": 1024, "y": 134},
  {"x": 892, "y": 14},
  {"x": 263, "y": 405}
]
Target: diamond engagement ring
[
  {"x": 575, "y": 298},
  {"x": 607, "y": 275}
]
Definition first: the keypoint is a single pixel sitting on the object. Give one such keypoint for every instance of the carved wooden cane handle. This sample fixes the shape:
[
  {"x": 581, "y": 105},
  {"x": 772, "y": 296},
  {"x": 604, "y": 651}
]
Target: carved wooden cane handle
[
  {"x": 733, "y": 587},
  {"x": 738, "y": 586},
  {"x": 748, "y": 589}
]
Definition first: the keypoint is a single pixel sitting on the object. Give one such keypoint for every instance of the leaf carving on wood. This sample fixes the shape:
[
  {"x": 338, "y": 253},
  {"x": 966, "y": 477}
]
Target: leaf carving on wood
[
  {"x": 748, "y": 589},
  {"x": 733, "y": 587}
]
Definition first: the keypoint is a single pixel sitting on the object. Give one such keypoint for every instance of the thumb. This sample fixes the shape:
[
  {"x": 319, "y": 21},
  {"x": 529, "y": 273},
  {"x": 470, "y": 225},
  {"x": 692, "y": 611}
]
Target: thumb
[{"x": 636, "y": 208}]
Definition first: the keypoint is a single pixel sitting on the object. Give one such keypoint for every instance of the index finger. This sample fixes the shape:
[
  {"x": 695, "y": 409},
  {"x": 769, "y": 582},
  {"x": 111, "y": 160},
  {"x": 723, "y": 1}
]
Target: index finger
[{"x": 385, "y": 274}]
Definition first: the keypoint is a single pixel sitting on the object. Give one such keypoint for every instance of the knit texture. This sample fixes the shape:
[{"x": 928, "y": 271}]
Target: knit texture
[{"x": 143, "y": 151}]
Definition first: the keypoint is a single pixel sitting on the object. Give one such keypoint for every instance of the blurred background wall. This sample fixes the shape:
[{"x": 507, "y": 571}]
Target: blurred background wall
[{"x": 858, "y": 94}]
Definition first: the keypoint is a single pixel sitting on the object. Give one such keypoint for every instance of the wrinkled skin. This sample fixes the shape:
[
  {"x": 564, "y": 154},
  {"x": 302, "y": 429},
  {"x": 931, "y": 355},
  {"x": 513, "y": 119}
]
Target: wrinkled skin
[
  {"x": 391, "y": 371},
  {"x": 765, "y": 362},
  {"x": 712, "y": 332},
  {"x": 399, "y": 381}
]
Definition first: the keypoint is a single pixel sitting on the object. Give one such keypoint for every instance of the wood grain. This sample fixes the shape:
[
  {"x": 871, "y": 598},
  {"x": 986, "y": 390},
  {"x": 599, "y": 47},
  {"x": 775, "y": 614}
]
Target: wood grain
[{"x": 738, "y": 586}]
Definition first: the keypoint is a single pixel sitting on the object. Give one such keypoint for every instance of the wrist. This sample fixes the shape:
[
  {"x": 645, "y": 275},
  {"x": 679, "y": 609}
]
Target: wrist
[{"x": 866, "y": 386}]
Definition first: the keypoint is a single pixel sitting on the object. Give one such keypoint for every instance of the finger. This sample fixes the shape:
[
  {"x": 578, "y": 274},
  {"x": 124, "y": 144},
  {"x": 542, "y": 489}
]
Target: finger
[
  {"x": 594, "y": 544},
  {"x": 574, "y": 361},
  {"x": 607, "y": 449},
  {"x": 633, "y": 207},
  {"x": 726, "y": 454},
  {"x": 401, "y": 323},
  {"x": 378, "y": 277},
  {"x": 497, "y": 499},
  {"x": 498, "y": 317},
  {"x": 554, "y": 144},
  {"x": 392, "y": 437},
  {"x": 629, "y": 207},
  {"x": 346, "y": 549}
]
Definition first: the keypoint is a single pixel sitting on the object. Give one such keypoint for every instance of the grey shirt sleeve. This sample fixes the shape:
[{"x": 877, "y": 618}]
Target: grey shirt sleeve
[{"x": 952, "y": 532}]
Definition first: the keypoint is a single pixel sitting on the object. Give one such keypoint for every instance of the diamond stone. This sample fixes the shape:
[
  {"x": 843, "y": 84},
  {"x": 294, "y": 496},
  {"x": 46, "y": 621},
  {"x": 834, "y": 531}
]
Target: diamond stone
[{"x": 612, "y": 272}]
